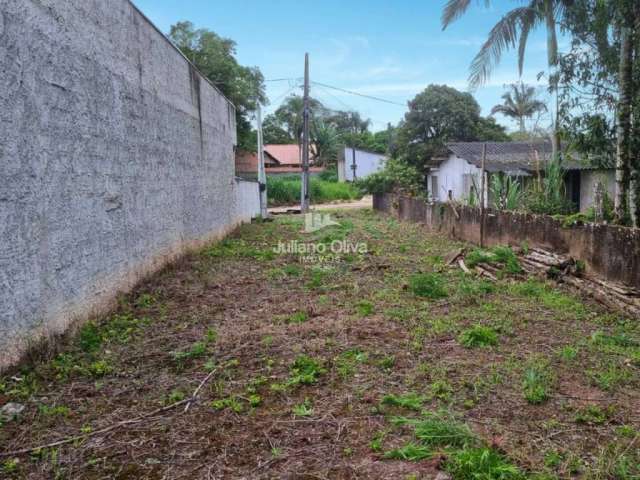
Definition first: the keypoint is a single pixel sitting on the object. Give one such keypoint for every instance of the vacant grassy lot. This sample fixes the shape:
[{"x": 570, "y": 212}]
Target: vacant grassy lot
[
  {"x": 285, "y": 190},
  {"x": 386, "y": 364}
]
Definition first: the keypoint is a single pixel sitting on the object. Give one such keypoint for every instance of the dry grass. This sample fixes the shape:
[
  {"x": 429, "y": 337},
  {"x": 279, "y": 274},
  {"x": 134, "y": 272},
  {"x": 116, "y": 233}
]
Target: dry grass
[{"x": 299, "y": 359}]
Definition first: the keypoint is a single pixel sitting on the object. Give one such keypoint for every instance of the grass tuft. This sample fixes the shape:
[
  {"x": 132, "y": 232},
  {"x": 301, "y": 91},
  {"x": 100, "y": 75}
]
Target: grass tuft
[
  {"x": 427, "y": 285},
  {"x": 478, "y": 336}
]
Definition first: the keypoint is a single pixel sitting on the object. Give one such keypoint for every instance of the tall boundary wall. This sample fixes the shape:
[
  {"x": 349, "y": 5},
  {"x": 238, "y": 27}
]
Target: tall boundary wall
[
  {"x": 610, "y": 252},
  {"x": 116, "y": 156}
]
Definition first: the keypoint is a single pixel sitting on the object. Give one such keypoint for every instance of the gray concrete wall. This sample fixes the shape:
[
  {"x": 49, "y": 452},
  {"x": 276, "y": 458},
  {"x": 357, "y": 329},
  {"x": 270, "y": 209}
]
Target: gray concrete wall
[
  {"x": 611, "y": 252},
  {"x": 116, "y": 155}
]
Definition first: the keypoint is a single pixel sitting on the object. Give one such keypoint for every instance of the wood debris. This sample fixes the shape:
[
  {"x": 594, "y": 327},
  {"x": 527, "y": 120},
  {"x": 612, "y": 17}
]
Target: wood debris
[{"x": 565, "y": 269}]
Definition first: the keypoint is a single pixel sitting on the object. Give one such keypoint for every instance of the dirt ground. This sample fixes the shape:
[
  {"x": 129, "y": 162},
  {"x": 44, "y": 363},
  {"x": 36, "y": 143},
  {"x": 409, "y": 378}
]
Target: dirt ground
[{"x": 377, "y": 362}]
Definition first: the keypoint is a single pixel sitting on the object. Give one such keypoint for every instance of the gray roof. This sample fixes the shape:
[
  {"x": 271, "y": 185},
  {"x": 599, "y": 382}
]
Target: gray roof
[{"x": 515, "y": 158}]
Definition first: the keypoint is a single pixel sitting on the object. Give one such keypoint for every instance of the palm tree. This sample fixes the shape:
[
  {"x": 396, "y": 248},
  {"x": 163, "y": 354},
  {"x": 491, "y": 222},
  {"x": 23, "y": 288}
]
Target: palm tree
[
  {"x": 513, "y": 31},
  {"x": 519, "y": 103}
]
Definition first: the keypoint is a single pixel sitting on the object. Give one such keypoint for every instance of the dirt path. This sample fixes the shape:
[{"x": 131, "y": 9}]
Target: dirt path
[
  {"x": 378, "y": 362},
  {"x": 364, "y": 202}
]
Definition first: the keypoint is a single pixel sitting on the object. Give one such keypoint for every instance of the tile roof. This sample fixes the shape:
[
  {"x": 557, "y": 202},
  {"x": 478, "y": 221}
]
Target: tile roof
[{"x": 284, "y": 154}]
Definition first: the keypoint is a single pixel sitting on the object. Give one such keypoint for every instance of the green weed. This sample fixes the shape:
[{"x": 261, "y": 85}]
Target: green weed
[
  {"x": 410, "y": 400},
  {"x": 411, "y": 451},
  {"x": 297, "y": 317},
  {"x": 89, "y": 337},
  {"x": 54, "y": 411},
  {"x": 501, "y": 255},
  {"x": 364, "y": 308},
  {"x": 478, "y": 336},
  {"x": 304, "y": 409},
  {"x": 439, "y": 431},
  {"x": 174, "y": 397},
  {"x": 593, "y": 414},
  {"x": 537, "y": 382},
  {"x": 609, "y": 376},
  {"x": 427, "y": 285},
  {"x": 481, "y": 464},
  {"x": 145, "y": 300}
]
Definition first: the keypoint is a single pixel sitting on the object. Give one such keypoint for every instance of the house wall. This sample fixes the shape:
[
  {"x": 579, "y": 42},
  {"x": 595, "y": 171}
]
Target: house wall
[
  {"x": 588, "y": 180},
  {"x": 116, "y": 156},
  {"x": 450, "y": 175},
  {"x": 366, "y": 164}
]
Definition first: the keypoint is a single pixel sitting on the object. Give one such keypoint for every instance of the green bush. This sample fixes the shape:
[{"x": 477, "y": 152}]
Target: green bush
[{"x": 396, "y": 177}]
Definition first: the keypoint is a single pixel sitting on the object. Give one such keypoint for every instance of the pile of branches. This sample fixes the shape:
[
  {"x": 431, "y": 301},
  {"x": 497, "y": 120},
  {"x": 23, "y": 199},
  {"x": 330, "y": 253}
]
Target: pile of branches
[{"x": 565, "y": 270}]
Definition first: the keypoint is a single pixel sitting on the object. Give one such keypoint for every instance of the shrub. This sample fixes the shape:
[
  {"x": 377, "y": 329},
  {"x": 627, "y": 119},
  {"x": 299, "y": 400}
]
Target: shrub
[{"x": 397, "y": 177}]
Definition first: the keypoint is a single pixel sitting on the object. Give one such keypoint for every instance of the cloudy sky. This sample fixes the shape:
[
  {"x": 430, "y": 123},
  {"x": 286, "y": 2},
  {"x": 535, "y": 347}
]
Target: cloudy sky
[{"x": 383, "y": 48}]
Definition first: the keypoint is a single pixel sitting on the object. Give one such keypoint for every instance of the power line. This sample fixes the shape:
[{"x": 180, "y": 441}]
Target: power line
[
  {"x": 351, "y": 92},
  {"x": 282, "y": 79}
]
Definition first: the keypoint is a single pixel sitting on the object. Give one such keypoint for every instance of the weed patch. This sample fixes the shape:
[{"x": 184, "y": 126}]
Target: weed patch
[
  {"x": 478, "y": 336},
  {"x": 500, "y": 255},
  {"x": 427, "y": 285},
  {"x": 410, "y": 401},
  {"x": 537, "y": 382}
]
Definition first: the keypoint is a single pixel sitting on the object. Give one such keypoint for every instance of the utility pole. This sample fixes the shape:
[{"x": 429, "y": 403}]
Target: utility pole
[
  {"x": 482, "y": 193},
  {"x": 304, "y": 191},
  {"x": 262, "y": 176},
  {"x": 353, "y": 163}
]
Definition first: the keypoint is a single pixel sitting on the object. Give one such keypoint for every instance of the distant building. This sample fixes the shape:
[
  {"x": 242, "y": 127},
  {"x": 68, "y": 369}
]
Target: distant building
[
  {"x": 354, "y": 164},
  {"x": 278, "y": 160},
  {"x": 456, "y": 175}
]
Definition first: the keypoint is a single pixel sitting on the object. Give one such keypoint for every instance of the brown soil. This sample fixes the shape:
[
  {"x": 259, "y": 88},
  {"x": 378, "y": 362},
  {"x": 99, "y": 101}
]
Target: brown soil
[{"x": 236, "y": 306}]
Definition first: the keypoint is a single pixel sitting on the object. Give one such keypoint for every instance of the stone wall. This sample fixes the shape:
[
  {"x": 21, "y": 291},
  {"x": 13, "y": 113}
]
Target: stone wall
[
  {"x": 116, "y": 156},
  {"x": 611, "y": 252}
]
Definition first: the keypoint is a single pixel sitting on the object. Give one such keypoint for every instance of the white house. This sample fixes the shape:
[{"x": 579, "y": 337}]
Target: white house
[
  {"x": 354, "y": 164},
  {"x": 456, "y": 175}
]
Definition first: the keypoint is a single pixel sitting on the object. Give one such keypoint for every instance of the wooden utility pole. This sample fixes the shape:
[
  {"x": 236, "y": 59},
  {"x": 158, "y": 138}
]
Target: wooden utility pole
[
  {"x": 262, "y": 176},
  {"x": 304, "y": 194},
  {"x": 482, "y": 190}
]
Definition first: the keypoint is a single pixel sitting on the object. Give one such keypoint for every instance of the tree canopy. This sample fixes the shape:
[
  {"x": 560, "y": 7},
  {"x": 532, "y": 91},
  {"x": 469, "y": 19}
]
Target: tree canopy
[
  {"x": 215, "y": 57},
  {"x": 442, "y": 114}
]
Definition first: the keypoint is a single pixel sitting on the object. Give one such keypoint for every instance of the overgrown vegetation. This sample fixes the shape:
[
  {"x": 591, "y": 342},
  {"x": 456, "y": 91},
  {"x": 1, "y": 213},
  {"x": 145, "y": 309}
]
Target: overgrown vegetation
[{"x": 285, "y": 190}]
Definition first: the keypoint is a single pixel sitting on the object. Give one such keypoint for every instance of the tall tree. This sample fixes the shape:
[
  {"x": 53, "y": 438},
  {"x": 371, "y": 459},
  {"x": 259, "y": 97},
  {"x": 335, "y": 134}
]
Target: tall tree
[
  {"x": 519, "y": 103},
  {"x": 513, "y": 31},
  {"x": 438, "y": 115},
  {"x": 624, "y": 124},
  {"x": 215, "y": 57}
]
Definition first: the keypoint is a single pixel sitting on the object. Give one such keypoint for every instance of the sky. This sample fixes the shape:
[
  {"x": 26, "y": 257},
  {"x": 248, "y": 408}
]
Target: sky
[{"x": 383, "y": 48}]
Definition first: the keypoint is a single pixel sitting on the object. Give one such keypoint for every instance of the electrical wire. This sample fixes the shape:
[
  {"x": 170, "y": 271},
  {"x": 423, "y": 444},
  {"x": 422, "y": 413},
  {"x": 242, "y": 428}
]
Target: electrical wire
[{"x": 351, "y": 92}]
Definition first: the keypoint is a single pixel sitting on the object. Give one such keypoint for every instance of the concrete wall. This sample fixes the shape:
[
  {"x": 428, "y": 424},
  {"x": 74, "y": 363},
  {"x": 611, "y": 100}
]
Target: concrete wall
[
  {"x": 588, "y": 180},
  {"x": 116, "y": 155},
  {"x": 611, "y": 252}
]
